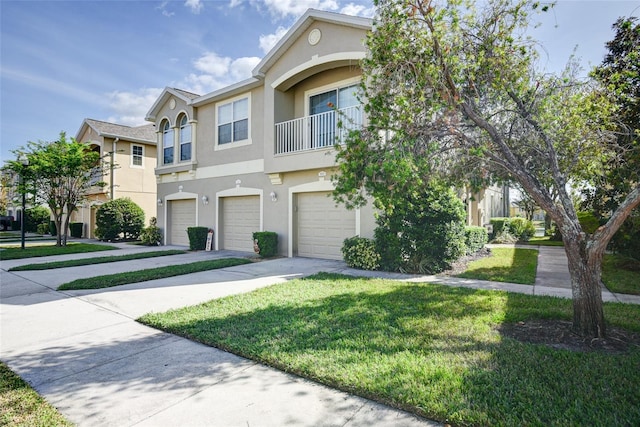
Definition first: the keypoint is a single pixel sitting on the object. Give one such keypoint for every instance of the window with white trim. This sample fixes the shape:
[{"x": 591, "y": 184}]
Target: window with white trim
[
  {"x": 233, "y": 121},
  {"x": 185, "y": 139},
  {"x": 137, "y": 154},
  {"x": 167, "y": 144}
]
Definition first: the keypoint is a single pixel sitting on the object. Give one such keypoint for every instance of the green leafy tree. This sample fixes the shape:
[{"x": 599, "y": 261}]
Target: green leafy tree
[
  {"x": 35, "y": 217},
  {"x": 119, "y": 217},
  {"x": 59, "y": 174},
  {"x": 459, "y": 89},
  {"x": 619, "y": 73}
]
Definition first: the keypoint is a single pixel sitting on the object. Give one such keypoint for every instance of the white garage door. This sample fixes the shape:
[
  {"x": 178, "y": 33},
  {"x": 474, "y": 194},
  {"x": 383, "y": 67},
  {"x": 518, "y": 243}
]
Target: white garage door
[
  {"x": 182, "y": 214},
  {"x": 240, "y": 219},
  {"x": 322, "y": 226}
]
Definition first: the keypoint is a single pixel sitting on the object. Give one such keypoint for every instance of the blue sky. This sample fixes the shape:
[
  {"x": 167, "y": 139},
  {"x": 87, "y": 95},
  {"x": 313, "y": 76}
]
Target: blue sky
[{"x": 63, "y": 61}]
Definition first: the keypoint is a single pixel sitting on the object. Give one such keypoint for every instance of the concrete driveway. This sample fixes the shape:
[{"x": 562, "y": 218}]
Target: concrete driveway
[{"x": 83, "y": 351}]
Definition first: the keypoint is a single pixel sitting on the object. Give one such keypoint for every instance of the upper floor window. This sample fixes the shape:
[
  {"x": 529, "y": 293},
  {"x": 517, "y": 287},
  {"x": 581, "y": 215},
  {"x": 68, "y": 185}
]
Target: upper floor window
[
  {"x": 167, "y": 143},
  {"x": 233, "y": 121},
  {"x": 185, "y": 139},
  {"x": 137, "y": 153},
  {"x": 323, "y": 120}
]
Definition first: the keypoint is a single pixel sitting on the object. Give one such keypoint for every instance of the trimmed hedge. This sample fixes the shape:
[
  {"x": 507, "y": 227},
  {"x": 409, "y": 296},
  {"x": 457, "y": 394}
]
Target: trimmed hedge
[
  {"x": 359, "y": 252},
  {"x": 475, "y": 238},
  {"x": 197, "y": 238},
  {"x": 76, "y": 229},
  {"x": 265, "y": 243},
  {"x": 53, "y": 230}
]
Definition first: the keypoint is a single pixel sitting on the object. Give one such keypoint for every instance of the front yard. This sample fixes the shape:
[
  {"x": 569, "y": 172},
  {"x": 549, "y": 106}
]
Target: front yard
[{"x": 440, "y": 352}]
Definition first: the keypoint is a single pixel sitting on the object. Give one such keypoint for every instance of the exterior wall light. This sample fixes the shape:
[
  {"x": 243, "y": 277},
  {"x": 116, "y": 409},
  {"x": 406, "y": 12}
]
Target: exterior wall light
[
  {"x": 159, "y": 202},
  {"x": 205, "y": 200},
  {"x": 274, "y": 196}
]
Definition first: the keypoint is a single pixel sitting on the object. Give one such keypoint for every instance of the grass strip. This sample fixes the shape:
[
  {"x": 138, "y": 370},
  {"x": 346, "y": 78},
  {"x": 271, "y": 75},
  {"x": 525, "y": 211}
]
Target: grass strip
[
  {"x": 621, "y": 274},
  {"x": 434, "y": 350},
  {"x": 118, "y": 279},
  {"x": 543, "y": 241},
  {"x": 49, "y": 250},
  {"x": 95, "y": 260},
  {"x": 20, "y": 405},
  {"x": 511, "y": 265}
]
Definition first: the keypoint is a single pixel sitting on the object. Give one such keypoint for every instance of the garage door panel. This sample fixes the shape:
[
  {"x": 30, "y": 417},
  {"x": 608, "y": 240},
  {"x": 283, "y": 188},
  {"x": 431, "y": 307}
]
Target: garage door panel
[
  {"x": 182, "y": 215},
  {"x": 240, "y": 218},
  {"x": 322, "y": 226}
]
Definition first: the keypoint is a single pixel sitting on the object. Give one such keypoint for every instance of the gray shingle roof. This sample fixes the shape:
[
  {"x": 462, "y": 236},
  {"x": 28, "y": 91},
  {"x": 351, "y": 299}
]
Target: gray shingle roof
[{"x": 138, "y": 133}]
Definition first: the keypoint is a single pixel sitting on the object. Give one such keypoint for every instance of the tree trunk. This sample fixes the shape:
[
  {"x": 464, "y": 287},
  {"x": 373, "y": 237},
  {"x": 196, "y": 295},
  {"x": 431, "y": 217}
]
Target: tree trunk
[{"x": 586, "y": 287}]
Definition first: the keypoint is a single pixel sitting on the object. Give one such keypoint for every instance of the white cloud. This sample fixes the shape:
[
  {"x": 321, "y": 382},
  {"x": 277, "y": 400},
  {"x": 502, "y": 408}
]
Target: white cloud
[
  {"x": 268, "y": 41},
  {"x": 130, "y": 108},
  {"x": 216, "y": 71},
  {"x": 235, "y": 3},
  {"x": 358, "y": 10},
  {"x": 284, "y": 8},
  {"x": 195, "y": 6},
  {"x": 213, "y": 64},
  {"x": 162, "y": 7}
]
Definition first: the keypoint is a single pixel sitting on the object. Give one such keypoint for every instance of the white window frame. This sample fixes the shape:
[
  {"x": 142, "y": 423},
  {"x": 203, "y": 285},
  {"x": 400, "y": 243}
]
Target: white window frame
[
  {"x": 133, "y": 155},
  {"x": 170, "y": 131},
  {"x": 233, "y": 144},
  {"x": 181, "y": 142},
  {"x": 326, "y": 88}
]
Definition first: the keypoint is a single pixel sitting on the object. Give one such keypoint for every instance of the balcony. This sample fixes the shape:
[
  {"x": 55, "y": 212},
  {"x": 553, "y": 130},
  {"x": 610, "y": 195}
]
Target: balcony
[{"x": 317, "y": 131}]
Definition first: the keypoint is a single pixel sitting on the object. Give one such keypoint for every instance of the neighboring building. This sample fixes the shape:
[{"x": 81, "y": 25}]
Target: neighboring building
[
  {"x": 258, "y": 155},
  {"x": 130, "y": 157}
]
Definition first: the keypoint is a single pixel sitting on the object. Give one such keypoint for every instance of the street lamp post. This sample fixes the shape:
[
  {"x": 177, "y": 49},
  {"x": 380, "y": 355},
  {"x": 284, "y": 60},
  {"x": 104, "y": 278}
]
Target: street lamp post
[{"x": 25, "y": 163}]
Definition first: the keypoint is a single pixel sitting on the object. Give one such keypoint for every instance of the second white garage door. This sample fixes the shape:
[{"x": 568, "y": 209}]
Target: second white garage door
[
  {"x": 182, "y": 214},
  {"x": 322, "y": 226},
  {"x": 240, "y": 218}
]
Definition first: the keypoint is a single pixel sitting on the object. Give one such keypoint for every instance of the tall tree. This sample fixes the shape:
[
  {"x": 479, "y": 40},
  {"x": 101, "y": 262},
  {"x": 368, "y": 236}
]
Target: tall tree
[
  {"x": 59, "y": 173},
  {"x": 459, "y": 88}
]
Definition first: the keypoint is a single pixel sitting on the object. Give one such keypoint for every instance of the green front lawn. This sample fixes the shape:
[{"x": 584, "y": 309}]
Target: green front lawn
[
  {"x": 434, "y": 350},
  {"x": 544, "y": 241},
  {"x": 51, "y": 249},
  {"x": 621, "y": 274},
  {"x": 96, "y": 260},
  {"x": 128, "y": 277},
  {"x": 20, "y": 405},
  {"x": 511, "y": 265}
]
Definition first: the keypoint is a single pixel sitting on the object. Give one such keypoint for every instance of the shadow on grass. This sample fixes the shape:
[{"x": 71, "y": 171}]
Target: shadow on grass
[{"x": 433, "y": 350}]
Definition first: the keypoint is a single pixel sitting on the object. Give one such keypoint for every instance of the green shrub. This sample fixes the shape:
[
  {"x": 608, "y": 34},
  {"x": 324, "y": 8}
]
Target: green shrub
[
  {"x": 522, "y": 228},
  {"x": 108, "y": 221},
  {"x": 475, "y": 238},
  {"x": 497, "y": 224},
  {"x": 76, "y": 229},
  {"x": 505, "y": 230},
  {"x": 151, "y": 235},
  {"x": 197, "y": 238},
  {"x": 15, "y": 225},
  {"x": 265, "y": 243},
  {"x": 53, "y": 230},
  {"x": 43, "y": 228},
  {"x": 626, "y": 241},
  {"x": 119, "y": 217},
  {"x": 359, "y": 252},
  {"x": 588, "y": 222},
  {"x": 423, "y": 233},
  {"x": 36, "y": 216}
]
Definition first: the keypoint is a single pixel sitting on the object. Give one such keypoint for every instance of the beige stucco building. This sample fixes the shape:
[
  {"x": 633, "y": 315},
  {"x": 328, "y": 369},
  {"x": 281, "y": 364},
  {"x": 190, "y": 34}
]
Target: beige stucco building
[
  {"x": 258, "y": 155},
  {"x": 129, "y": 154}
]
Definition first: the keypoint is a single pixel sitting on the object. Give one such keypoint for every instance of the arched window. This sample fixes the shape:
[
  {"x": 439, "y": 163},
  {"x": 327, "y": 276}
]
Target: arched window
[
  {"x": 185, "y": 139},
  {"x": 167, "y": 143}
]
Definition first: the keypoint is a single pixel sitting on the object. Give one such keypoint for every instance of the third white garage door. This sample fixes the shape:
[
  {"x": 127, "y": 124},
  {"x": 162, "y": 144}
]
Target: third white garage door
[
  {"x": 322, "y": 226},
  {"x": 240, "y": 218}
]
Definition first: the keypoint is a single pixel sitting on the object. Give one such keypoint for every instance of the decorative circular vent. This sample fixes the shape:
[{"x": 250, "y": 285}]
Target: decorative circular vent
[{"x": 314, "y": 37}]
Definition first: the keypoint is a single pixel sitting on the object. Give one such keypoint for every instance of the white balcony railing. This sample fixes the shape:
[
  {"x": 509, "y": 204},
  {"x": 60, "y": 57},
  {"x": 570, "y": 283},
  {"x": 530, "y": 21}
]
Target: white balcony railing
[{"x": 317, "y": 131}]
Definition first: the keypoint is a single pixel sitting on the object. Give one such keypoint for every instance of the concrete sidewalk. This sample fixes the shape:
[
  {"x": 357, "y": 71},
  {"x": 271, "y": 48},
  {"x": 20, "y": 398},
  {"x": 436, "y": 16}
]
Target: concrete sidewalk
[{"x": 84, "y": 352}]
